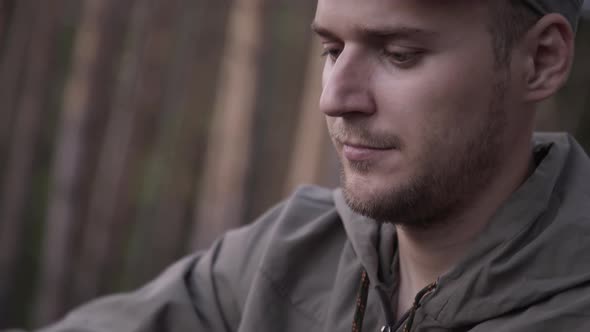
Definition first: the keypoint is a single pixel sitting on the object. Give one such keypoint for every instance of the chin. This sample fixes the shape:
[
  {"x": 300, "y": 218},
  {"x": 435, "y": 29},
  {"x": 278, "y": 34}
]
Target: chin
[
  {"x": 364, "y": 199},
  {"x": 367, "y": 188},
  {"x": 370, "y": 178},
  {"x": 382, "y": 198}
]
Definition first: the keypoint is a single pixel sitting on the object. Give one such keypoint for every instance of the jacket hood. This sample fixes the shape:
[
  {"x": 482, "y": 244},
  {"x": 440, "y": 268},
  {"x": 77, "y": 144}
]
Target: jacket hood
[
  {"x": 535, "y": 246},
  {"x": 372, "y": 242}
]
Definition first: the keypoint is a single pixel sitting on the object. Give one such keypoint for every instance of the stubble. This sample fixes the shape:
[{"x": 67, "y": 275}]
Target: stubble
[{"x": 442, "y": 185}]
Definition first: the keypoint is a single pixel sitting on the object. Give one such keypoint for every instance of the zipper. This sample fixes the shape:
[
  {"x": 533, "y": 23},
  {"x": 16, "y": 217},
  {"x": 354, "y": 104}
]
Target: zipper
[
  {"x": 412, "y": 313},
  {"x": 407, "y": 319}
]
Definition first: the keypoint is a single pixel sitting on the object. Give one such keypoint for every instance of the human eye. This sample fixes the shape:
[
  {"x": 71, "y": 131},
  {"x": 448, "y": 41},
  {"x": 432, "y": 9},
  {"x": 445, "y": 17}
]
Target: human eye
[
  {"x": 332, "y": 52},
  {"x": 402, "y": 56}
]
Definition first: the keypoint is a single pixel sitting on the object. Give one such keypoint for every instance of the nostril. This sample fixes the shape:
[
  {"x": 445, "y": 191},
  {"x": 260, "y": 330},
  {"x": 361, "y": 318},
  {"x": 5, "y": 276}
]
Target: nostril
[{"x": 346, "y": 102}]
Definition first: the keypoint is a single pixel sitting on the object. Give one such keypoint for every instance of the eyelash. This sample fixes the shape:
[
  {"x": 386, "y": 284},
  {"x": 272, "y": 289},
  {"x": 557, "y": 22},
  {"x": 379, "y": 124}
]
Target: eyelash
[
  {"x": 334, "y": 53},
  {"x": 328, "y": 52},
  {"x": 410, "y": 56}
]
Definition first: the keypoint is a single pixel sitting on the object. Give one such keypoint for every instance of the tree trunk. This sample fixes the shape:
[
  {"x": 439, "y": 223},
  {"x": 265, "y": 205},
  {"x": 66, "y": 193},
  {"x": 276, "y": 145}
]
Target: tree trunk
[
  {"x": 175, "y": 162},
  {"x": 284, "y": 54},
  {"x": 27, "y": 127},
  {"x": 6, "y": 10},
  {"x": 12, "y": 67},
  {"x": 132, "y": 121},
  {"x": 87, "y": 98},
  {"x": 221, "y": 197},
  {"x": 310, "y": 135}
]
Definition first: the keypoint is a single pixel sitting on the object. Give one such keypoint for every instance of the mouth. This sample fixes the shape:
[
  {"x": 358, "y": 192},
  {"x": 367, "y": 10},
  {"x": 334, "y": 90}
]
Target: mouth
[{"x": 361, "y": 152}]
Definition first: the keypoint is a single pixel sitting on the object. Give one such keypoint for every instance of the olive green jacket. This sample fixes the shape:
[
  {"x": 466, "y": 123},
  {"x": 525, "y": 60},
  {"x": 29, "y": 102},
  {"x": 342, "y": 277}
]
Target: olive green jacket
[{"x": 298, "y": 268}]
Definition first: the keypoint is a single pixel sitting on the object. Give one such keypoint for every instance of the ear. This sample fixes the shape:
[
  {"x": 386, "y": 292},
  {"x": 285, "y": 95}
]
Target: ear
[{"x": 550, "y": 52}]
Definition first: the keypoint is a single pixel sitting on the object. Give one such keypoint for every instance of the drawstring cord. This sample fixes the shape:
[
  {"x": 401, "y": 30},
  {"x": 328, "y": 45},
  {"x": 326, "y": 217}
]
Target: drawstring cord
[
  {"x": 361, "y": 306},
  {"x": 361, "y": 303},
  {"x": 410, "y": 321}
]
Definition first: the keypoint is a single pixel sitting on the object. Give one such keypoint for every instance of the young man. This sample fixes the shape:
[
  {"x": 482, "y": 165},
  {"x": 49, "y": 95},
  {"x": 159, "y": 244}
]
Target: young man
[{"x": 449, "y": 218}]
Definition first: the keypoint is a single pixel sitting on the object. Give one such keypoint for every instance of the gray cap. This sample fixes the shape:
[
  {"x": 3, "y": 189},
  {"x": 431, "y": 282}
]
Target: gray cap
[{"x": 571, "y": 9}]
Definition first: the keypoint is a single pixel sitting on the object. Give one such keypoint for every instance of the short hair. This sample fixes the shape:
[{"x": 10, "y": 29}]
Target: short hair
[{"x": 510, "y": 21}]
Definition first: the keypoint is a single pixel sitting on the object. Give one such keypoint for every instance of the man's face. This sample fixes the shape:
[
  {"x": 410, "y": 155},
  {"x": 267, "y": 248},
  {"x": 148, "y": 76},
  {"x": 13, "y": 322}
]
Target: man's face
[{"x": 415, "y": 105}]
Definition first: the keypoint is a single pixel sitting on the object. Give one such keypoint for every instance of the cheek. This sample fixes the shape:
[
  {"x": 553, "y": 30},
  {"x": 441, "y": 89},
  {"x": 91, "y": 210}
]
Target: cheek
[{"x": 435, "y": 104}]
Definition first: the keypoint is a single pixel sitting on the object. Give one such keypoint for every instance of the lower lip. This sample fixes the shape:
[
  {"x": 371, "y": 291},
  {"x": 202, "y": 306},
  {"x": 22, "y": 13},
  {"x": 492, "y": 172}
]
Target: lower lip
[{"x": 354, "y": 153}]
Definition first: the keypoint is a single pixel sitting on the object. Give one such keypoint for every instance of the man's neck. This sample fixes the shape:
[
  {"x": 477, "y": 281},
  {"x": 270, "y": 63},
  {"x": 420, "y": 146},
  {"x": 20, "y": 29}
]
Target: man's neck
[{"x": 427, "y": 253}]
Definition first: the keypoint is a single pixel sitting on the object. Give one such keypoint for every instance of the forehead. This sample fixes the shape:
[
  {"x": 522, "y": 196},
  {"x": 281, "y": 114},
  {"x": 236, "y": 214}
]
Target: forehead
[{"x": 428, "y": 15}]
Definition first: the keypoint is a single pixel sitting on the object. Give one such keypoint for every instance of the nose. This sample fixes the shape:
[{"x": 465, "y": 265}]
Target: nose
[{"x": 347, "y": 86}]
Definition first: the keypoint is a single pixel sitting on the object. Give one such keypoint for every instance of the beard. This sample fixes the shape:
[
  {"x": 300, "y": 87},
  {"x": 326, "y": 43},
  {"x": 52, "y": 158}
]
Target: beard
[{"x": 443, "y": 183}]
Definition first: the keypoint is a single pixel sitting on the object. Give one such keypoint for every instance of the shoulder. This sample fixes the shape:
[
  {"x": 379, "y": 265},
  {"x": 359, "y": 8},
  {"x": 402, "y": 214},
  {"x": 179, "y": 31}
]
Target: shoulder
[
  {"x": 278, "y": 249},
  {"x": 306, "y": 205},
  {"x": 308, "y": 214},
  {"x": 566, "y": 311}
]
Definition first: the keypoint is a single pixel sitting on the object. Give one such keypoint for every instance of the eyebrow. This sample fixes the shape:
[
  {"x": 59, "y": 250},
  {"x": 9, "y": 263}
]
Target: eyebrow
[{"x": 381, "y": 32}]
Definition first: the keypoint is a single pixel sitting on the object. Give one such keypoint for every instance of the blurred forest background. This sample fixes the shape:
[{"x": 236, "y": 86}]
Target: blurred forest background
[{"x": 133, "y": 132}]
